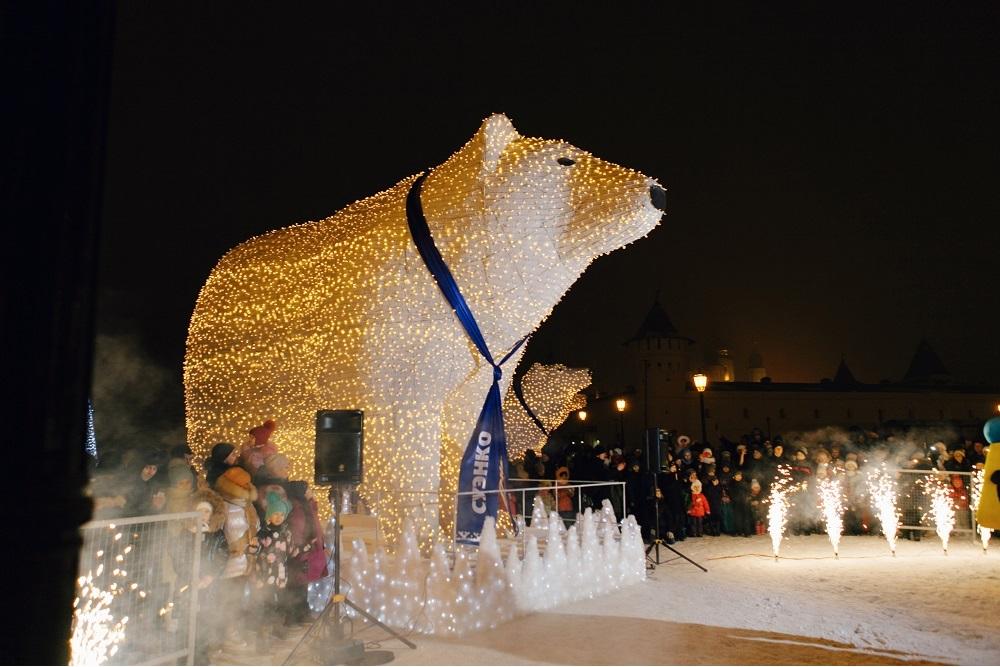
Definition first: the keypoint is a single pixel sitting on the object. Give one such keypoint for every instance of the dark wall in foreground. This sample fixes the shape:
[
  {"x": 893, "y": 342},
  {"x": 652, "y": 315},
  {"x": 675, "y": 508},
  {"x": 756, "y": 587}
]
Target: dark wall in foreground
[{"x": 56, "y": 57}]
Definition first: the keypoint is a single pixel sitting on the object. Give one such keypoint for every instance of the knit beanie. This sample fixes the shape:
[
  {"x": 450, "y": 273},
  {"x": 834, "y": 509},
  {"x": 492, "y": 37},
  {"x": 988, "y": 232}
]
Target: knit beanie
[
  {"x": 276, "y": 504},
  {"x": 262, "y": 434}
]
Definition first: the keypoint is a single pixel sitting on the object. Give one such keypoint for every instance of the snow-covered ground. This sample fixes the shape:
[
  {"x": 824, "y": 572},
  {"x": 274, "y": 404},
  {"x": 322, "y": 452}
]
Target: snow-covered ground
[{"x": 865, "y": 608}]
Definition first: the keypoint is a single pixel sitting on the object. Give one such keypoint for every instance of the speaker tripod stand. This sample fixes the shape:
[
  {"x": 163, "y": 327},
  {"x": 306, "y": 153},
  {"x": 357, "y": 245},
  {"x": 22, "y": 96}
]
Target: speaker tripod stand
[
  {"x": 657, "y": 542},
  {"x": 333, "y": 646}
]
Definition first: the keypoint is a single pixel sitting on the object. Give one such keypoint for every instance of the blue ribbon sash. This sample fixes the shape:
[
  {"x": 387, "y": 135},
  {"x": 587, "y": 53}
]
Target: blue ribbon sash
[{"x": 484, "y": 463}]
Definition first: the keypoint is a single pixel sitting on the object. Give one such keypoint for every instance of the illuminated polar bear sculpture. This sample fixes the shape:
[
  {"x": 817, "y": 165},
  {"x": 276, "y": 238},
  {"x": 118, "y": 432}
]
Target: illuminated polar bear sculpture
[
  {"x": 553, "y": 393},
  {"x": 343, "y": 314}
]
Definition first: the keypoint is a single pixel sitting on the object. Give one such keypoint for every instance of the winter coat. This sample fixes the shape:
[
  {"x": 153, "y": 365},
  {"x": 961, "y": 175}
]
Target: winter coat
[
  {"x": 240, "y": 527},
  {"x": 712, "y": 490},
  {"x": 564, "y": 498},
  {"x": 699, "y": 505},
  {"x": 252, "y": 455},
  {"x": 270, "y": 568},
  {"x": 738, "y": 491},
  {"x": 303, "y": 522}
]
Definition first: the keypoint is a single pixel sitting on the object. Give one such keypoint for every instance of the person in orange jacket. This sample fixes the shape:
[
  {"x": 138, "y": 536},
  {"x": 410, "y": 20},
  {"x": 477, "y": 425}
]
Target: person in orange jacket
[{"x": 698, "y": 509}]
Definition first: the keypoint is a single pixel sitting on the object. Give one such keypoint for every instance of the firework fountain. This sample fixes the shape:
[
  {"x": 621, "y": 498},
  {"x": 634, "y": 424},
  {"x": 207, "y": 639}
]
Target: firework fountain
[
  {"x": 831, "y": 502},
  {"x": 882, "y": 491},
  {"x": 96, "y": 633},
  {"x": 977, "y": 490},
  {"x": 778, "y": 506},
  {"x": 941, "y": 510}
]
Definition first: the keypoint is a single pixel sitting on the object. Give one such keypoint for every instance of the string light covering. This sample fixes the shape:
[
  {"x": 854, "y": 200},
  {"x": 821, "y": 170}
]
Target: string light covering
[
  {"x": 91, "y": 444},
  {"x": 342, "y": 313},
  {"x": 482, "y": 591},
  {"x": 552, "y": 393}
]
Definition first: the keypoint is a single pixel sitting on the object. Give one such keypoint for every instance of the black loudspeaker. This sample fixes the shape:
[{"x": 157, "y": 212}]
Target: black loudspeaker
[
  {"x": 657, "y": 444},
  {"x": 339, "y": 446}
]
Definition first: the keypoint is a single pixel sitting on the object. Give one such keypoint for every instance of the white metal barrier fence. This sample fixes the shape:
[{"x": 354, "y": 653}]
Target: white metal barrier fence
[
  {"x": 916, "y": 489},
  {"x": 137, "y": 593}
]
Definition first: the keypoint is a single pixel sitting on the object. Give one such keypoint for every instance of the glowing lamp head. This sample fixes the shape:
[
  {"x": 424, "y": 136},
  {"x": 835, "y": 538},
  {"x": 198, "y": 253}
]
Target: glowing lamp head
[
  {"x": 582, "y": 415},
  {"x": 700, "y": 382},
  {"x": 620, "y": 405}
]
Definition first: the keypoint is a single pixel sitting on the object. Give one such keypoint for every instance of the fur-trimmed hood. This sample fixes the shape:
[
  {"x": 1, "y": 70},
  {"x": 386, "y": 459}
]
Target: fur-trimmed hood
[
  {"x": 218, "y": 507},
  {"x": 230, "y": 491}
]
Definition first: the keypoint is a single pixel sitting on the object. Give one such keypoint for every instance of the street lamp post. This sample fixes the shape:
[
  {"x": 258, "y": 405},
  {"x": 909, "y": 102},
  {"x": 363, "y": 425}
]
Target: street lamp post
[
  {"x": 701, "y": 384},
  {"x": 620, "y": 406}
]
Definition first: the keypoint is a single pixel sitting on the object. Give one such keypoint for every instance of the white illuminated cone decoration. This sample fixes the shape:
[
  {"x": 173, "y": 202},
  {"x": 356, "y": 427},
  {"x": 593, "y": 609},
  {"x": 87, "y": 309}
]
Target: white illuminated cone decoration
[
  {"x": 406, "y": 583},
  {"x": 440, "y": 616},
  {"x": 378, "y": 585},
  {"x": 574, "y": 564},
  {"x": 538, "y": 519},
  {"x": 496, "y": 602},
  {"x": 556, "y": 523},
  {"x": 464, "y": 582},
  {"x": 555, "y": 563},
  {"x": 531, "y": 577},
  {"x": 514, "y": 579}
]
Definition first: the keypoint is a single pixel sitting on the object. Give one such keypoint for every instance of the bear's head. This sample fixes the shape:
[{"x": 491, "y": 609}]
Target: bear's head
[
  {"x": 518, "y": 219},
  {"x": 552, "y": 393}
]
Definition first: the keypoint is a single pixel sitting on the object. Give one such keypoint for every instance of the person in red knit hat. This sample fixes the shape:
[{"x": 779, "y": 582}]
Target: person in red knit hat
[{"x": 258, "y": 446}]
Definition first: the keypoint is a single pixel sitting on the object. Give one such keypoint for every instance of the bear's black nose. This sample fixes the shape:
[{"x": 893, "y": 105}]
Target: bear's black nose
[{"x": 658, "y": 196}]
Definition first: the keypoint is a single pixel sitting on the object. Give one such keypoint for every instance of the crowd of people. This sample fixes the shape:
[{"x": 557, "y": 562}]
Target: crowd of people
[
  {"x": 261, "y": 538},
  {"x": 700, "y": 490},
  {"x": 262, "y": 542}
]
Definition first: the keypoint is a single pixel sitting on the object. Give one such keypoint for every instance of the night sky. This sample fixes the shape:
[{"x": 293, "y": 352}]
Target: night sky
[{"x": 831, "y": 174}]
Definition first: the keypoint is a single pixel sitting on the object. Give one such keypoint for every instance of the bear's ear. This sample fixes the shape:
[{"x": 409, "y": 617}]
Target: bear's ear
[{"x": 493, "y": 136}]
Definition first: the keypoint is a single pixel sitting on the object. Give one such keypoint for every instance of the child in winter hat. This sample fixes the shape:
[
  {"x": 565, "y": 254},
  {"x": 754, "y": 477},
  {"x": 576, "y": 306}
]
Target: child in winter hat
[
  {"x": 698, "y": 509},
  {"x": 258, "y": 446},
  {"x": 271, "y": 572}
]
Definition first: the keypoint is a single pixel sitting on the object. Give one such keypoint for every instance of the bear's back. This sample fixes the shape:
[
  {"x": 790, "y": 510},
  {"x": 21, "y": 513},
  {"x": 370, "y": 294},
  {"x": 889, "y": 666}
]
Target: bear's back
[{"x": 279, "y": 318}]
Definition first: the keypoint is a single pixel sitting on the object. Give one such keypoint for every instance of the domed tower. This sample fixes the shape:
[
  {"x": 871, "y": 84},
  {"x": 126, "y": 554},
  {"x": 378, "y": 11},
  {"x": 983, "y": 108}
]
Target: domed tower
[
  {"x": 756, "y": 366},
  {"x": 723, "y": 370}
]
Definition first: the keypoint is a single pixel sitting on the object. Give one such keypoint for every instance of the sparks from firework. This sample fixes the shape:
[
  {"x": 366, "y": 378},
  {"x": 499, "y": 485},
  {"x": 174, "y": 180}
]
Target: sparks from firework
[
  {"x": 942, "y": 511},
  {"x": 977, "y": 490},
  {"x": 96, "y": 634},
  {"x": 778, "y": 505},
  {"x": 831, "y": 503},
  {"x": 882, "y": 490}
]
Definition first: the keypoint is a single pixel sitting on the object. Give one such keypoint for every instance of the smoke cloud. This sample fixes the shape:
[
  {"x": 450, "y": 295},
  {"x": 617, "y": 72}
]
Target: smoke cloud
[{"x": 137, "y": 402}]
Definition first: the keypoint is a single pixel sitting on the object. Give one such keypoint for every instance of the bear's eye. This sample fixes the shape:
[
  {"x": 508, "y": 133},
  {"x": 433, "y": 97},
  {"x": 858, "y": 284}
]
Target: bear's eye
[{"x": 565, "y": 161}]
